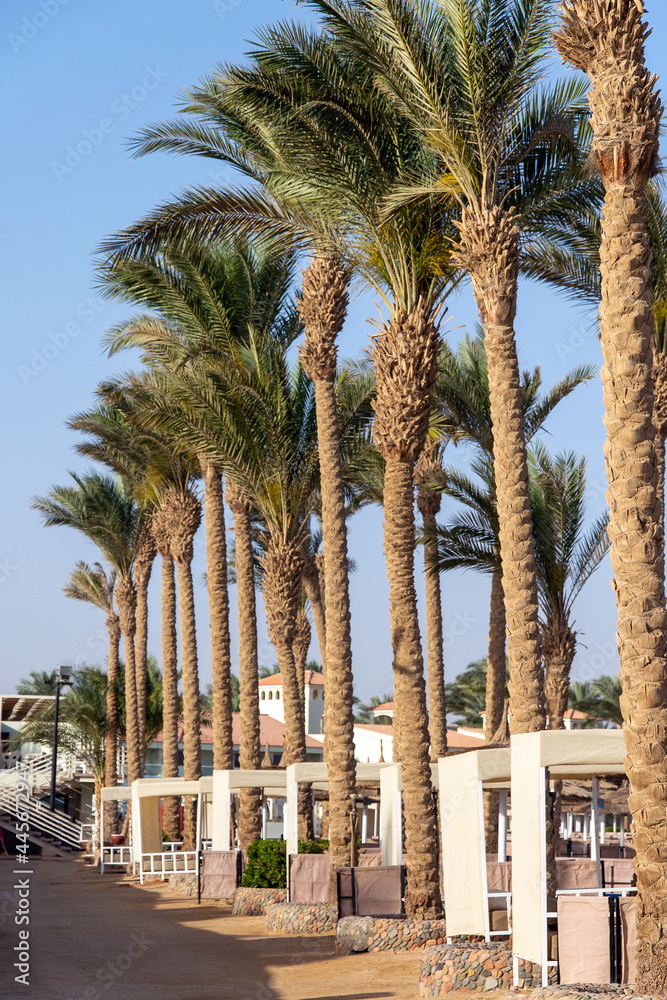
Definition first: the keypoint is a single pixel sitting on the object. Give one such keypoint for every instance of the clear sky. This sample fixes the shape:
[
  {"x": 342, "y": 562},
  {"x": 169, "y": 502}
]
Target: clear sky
[{"x": 79, "y": 79}]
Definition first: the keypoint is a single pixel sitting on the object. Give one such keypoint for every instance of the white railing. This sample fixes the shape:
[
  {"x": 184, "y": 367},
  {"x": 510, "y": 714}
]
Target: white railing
[
  {"x": 40, "y": 818},
  {"x": 111, "y": 856},
  {"x": 166, "y": 863}
]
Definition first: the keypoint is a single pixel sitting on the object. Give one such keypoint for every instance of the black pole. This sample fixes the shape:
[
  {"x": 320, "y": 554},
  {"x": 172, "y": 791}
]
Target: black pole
[{"x": 54, "y": 756}]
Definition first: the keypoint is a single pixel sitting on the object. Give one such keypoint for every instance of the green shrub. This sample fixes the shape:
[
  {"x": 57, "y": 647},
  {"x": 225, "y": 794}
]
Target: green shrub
[
  {"x": 266, "y": 865},
  {"x": 313, "y": 846}
]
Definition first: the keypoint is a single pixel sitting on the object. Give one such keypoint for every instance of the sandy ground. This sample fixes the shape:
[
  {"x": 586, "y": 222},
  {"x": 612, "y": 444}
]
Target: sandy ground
[{"x": 93, "y": 937}]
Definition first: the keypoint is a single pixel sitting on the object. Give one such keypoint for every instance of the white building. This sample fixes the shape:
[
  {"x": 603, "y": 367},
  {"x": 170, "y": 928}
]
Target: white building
[{"x": 271, "y": 699}]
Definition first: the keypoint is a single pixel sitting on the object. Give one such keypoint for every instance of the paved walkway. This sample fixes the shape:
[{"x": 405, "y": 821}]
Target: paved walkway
[{"x": 93, "y": 937}]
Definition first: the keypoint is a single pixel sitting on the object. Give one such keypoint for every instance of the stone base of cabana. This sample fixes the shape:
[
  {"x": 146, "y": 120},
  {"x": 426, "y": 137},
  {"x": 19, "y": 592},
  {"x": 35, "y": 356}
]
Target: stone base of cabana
[
  {"x": 251, "y": 902},
  {"x": 183, "y": 883},
  {"x": 474, "y": 968},
  {"x": 584, "y": 991},
  {"x": 301, "y": 918},
  {"x": 356, "y": 934}
]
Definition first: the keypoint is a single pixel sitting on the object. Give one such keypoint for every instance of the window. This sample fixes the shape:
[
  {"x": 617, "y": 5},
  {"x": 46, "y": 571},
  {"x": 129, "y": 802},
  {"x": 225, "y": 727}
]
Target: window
[
  {"x": 262, "y": 696},
  {"x": 315, "y": 695},
  {"x": 277, "y": 695},
  {"x": 270, "y": 695}
]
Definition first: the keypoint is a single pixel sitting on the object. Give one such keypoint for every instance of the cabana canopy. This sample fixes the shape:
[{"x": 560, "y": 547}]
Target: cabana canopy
[
  {"x": 273, "y": 784},
  {"x": 537, "y": 758},
  {"x": 462, "y": 780}
]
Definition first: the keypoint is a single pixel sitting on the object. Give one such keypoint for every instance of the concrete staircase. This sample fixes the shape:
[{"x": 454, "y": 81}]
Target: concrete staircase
[{"x": 21, "y": 788}]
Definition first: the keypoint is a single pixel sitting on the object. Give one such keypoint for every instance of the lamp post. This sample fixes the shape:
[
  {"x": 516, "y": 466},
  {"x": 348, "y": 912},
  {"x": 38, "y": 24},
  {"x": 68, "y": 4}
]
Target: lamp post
[{"x": 63, "y": 678}]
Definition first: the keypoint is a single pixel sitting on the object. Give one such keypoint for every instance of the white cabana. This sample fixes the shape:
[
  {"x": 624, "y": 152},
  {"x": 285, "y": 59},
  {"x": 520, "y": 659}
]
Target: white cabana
[
  {"x": 391, "y": 831},
  {"x": 147, "y": 823},
  {"x": 112, "y": 855},
  {"x": 536, "y": 759},
  {"x": 226, "y": 783},
  {"x": 463, "y": 778}
]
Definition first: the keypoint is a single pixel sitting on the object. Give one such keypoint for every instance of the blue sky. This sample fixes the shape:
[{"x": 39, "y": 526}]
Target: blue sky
[{"x": 79, "y": 79}]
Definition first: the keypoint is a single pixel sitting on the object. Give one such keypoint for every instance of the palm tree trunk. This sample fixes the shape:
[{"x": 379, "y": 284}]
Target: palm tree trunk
[
  {"x": 301, "y": 645},
  {"x": 311, "y": 584},
  {"x": 429, "y": 504},
  {"x": 250, "y": 824},
  {"x": 282, "y": 574},
  {"x": 126, "y": 598},
  {"x": 489, "y": 251},
  {"x": 183, "y": 517},
  {"x": 405, "y": 356},
  {"x": 323, "y": 307},
  {"x": 218, "y": 602},
  {"x": 422, "y": 897},
  {"x": 110, "y": 824},
  {"x": 559, "y": 645},
  {"x": 606, "y": 41},
  {"x": 495, "y": 659},
  {"x": 144, "y": 557},
  {"x": 495, "y": 696},
  {"x": 171, "y": 820}
]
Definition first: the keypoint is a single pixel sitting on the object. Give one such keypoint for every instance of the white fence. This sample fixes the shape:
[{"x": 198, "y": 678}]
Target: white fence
[{"x": 166, "y": 863}]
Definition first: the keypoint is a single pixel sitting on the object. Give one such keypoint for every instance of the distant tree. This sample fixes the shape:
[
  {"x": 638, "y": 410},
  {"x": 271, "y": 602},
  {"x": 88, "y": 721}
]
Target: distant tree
[
  {"x": 598, "y": 698},
  {"x": 364, "y": 713},
  {"x": 207, "y": 699},
  {"x": 582, "y": 698},
  {"x": 466, "y": 694},
  {"x": 38, "y": 682},
  {"x": 269, "y": 671}
]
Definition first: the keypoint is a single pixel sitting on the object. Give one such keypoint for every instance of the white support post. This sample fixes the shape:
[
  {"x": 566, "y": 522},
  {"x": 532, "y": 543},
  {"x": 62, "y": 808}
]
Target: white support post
[
  {"x": 570, "y": 824},
  {"x": 502, "y": 825},
  {"x": 543, "y": 876},
  {"x": 485, "y": 884},
  {"x": 613, "y": 822},
  {"x": 603, "y": 827},
  {"x": 101, "y": 819},
  {"x": 622, "y": 837},
  {"x": 264, "y": 817},
  {"x": 364, "y": 822},
  {"x": 587, "y": 823},
  {"x": 595, "y": 821},
  {"x": 198, "y": 834}
]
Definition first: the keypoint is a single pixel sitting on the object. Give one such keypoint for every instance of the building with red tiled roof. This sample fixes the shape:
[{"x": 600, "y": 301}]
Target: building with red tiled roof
[
  {"x": 271, "y": 734},
  {"x": 271, "y": 699}
]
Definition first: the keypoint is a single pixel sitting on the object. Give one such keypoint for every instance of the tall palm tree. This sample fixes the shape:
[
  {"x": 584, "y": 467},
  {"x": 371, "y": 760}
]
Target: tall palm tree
[
  {"x": 38, "y": 682},
  {"x": 566, "y": 557},
  {"x": 208, "y": 297},
  {"x": 428, "y": 503},
  {"x": 103, "y": 509},
  {"x": 606, "y": 41},
  {"x": 96, "y": 587},
  {"x": 156, "y": 468},
  {"x": 463, "y": 414},
  {"x": 466, "y": 75}
]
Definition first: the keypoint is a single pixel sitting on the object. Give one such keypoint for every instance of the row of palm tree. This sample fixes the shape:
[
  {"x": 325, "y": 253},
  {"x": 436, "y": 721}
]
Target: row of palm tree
[{"x": 407, "y": 147}]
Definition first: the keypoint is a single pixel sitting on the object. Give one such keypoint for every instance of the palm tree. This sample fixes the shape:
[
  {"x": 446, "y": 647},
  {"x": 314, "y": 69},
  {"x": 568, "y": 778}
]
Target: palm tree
[
  {"x": 208, "y": 298},
  {"x": 607, "y": 43},
  {"x": 38, "y": 682},
  {"x": 364, "y": 713},
  {"x": 566, "y": 558},
  {"x": 103, "y": 509},
  {"x": 82, "y": 725},
  {"x": 155, "y": 468},
  {"x": 466, "y": 694},
  {"x": 428, "y": 503},
  {"x": 96, "y": 587},
  {"x": 466, "y": 73},
  {"x": 463, "y": 414}
]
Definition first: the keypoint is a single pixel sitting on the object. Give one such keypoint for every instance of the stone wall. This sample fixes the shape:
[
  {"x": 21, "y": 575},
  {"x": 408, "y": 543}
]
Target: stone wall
[
  {"x": 583, "y": 991},
  {"x": 355, "y": 934},
  {"x": 474, "y": 968},
  {"x": 249, "y": 902},
  {"x": 301, "y": 918},
  {"x": 183, "y": 883}
]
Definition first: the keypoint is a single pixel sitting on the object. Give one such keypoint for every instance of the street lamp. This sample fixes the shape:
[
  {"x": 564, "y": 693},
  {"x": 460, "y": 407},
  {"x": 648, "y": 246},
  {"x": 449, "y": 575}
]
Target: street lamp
[{"x": 64, "y": 677}]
